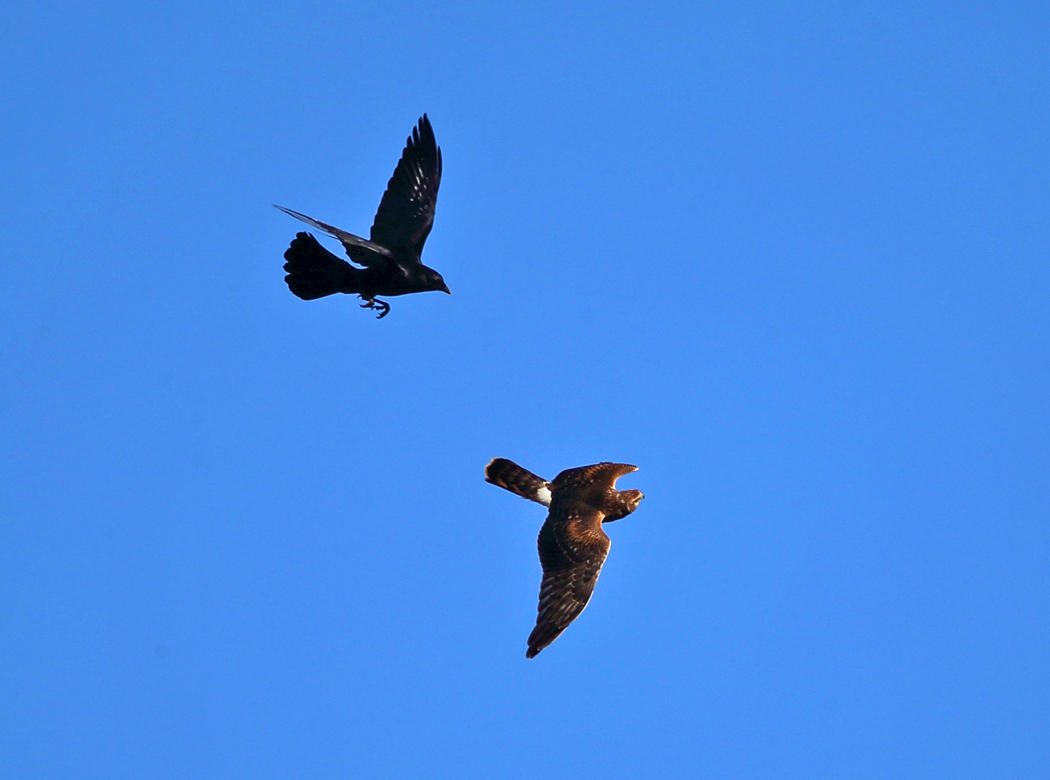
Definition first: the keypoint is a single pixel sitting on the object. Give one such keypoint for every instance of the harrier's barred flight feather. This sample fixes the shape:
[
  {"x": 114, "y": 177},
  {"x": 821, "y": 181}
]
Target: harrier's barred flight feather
[
  {"x": 391, "y": 256},
  {"x": 572, "y": 545}
]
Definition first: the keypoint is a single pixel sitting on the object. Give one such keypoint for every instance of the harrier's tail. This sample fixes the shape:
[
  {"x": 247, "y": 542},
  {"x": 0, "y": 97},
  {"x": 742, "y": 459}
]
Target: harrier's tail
[
  {"x": 313, "y": 271},
  {"x": 510, "y": 476}
]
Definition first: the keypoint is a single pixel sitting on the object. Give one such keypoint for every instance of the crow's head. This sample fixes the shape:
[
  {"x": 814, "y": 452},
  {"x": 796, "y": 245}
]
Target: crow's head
[{"x": 432, "y": 281}]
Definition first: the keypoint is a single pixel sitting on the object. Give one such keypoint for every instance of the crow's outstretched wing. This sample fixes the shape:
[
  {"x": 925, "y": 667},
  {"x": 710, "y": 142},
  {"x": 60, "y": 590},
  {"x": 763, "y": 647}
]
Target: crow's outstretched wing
[
  {"x": 360, "y": 250},
  {"x": 406, "y": 212}
]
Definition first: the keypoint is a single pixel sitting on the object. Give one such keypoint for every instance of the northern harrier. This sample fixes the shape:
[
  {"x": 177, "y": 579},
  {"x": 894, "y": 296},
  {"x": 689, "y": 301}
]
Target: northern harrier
[
  {"x": 391, "y": 261},
  {"x": 572, "y": 544}
]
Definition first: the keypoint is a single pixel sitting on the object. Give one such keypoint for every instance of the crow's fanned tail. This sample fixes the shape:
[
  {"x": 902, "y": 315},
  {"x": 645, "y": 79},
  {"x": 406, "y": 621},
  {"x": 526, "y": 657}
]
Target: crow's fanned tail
[{"x": 313, "y": 271}]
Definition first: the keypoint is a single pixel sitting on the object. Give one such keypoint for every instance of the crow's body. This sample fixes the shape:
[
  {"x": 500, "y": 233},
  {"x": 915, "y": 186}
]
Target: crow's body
[{"x": 390, "y": 258}]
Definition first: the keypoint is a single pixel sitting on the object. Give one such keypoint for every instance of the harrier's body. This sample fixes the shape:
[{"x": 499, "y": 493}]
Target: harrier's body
[
  {"x": 391, "y": 256},
  {"x": 572, "y": 544}
]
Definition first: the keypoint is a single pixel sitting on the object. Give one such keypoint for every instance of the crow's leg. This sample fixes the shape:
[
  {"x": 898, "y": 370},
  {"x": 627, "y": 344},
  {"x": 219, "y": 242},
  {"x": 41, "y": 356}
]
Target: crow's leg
[{"x": 374, "y": 303}]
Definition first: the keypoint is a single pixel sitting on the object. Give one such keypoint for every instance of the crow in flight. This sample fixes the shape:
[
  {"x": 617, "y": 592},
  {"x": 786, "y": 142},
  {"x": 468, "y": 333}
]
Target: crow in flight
[
  {"x": 572, "y": 544},
  {"x": 390, "y": 255}
]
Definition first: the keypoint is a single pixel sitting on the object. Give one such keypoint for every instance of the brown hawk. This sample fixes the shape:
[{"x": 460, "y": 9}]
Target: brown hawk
[
  {"x": 572, "y": 544},
  {"x": 391, "y": 257}
]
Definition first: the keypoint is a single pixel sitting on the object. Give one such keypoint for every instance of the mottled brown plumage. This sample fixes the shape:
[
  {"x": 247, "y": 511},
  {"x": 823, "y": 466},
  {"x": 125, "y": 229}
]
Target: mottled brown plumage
[{"x": 572, "y": 544}]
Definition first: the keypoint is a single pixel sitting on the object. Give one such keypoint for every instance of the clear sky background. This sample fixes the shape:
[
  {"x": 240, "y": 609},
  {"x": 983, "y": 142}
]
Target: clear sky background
[{"x": 791, "y": 259}]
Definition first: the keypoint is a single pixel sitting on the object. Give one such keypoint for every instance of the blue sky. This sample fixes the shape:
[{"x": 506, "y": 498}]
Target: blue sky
[{"x": 789, "y": 259}]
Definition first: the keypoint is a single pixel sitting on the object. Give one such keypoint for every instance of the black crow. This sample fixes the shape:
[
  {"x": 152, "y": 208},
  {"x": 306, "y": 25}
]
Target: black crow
[{"x": 391, "y": 255}]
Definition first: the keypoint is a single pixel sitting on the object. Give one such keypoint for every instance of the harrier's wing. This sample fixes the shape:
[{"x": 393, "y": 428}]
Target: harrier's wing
[
  {"x": 510, "y": 476},
  {"x": 572, "y": 548},
  {"x": 406, "y": 212},
  {"x": 600, "y": 474}
]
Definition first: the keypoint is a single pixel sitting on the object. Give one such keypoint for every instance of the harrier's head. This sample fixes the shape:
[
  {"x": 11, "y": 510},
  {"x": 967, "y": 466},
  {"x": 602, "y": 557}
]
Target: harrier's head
[{"x": 628, "y": 501}]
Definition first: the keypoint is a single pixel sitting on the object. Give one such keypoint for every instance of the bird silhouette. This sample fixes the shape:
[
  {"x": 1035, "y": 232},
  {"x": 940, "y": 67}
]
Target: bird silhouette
[
  {"x": 572, "y": 545},
  {"x": 391, "y": 255}
]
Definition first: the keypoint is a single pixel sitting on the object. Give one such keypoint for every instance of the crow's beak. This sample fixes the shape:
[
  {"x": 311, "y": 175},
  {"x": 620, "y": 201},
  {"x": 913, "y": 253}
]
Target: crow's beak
[{"x": 444, "y": 288}]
